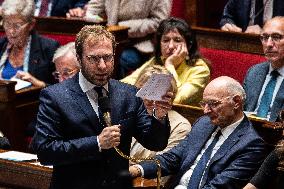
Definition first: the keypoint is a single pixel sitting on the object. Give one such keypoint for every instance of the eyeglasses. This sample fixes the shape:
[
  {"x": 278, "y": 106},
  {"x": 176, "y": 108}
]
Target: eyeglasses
[
  {"x": 15, "y": 27},
  {"x": 65, "y": 74},
  {"x": 275, "y": 37},
  {"x": 95, "y": 59},
  {"x": 212, "y": 103}
]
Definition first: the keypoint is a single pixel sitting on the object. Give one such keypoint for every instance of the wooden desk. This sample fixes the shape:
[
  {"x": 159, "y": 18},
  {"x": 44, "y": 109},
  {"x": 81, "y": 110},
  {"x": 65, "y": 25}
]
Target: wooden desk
[
  {"x": 232, "y": 41},
  {"x": 17, "y": 109},
  {"x": 24, "y": 175}
]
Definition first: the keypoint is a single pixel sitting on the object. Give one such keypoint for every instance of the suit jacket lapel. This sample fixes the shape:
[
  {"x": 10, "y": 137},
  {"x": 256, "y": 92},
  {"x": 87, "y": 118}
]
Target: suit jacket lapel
[
  {"x": 227, "y": 145},
  {"x": 35, "y": 54},
  {"x": 246, "y": 16},
  {"x": 83, "y": 102},
  {"x": 259, "y": 80},
  {"x": 199, "y": 140},
  {"x": 54, "y": 2}
]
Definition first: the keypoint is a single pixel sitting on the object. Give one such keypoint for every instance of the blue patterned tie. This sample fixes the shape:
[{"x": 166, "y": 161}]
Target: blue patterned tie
[
  {"x": 196, "y": 176},
  {"x": 264, "y": 105}
]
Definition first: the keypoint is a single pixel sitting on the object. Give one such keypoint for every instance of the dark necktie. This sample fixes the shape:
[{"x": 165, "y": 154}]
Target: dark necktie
[
  {"x": 198, "y": 171},
  {"x": 258, "y": 12},
  {"x": 264, "y": 105},
  {"x": 43, "y": 8},
  {"x": 99, "y": 91}
]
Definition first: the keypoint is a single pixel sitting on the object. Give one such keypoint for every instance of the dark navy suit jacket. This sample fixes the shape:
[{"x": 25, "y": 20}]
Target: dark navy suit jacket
[
  {"x": 67, "y": 130},
  {"x": 231, "y": 167},
  {"x": 41, "y": 54},
  {"x": 61, "y": 7},
  {"x": 253, "y": 83},
  {"x": 238, "y": 12}
]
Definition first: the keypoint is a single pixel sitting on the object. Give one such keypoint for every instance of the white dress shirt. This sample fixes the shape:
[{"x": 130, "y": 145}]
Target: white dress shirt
[{"x": 88, "y": 88}]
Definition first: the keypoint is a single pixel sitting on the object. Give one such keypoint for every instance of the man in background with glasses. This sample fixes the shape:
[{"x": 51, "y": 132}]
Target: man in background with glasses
[
  {"x": 71, "y": 133},
  {"x": 66, "y": 62},
  {"x": 264, "y": 82},
  {"x": 222, "y": 150}
]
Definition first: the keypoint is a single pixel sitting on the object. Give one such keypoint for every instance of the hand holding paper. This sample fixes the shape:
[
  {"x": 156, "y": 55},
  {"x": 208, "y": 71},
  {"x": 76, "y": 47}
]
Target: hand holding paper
[{"x": 157, "y": 95}]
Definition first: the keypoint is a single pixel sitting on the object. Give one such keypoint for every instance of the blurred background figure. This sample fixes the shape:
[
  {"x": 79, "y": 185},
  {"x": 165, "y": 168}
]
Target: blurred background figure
[
  {"x": 59, "y": 8},
  {"x": 249, "y": 15},
  {"x": 4, "y": 142},
  {"x": 176, "y": 49},
  {"x": 179, "y": 125},
  {"x": 271, "y": 172},
  {"x": 23, "y": 52},
  {"x": 263, "y": 82},
  {"x": 142, "y": 17},
  {"x": 66, "y": 62}
]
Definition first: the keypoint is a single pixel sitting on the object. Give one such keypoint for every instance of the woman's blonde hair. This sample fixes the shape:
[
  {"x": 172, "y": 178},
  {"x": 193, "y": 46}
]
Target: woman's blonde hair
[{"x": 155, "y": 69}]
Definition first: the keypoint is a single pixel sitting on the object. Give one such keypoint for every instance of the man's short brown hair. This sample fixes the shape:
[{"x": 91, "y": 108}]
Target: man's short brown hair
[{"x": 97, "y": 32}]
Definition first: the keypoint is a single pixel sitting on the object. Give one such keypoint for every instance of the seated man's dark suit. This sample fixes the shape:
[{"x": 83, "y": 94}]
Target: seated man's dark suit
[
  {"x": 41, "y": 54},
  {"x": 61, "y": 7},
  {"x": 238, "y": 12},
  {"x": 253, "y": 84},
  {"x": 231, "y": 167},
  {"x": 67, "y": 130}
]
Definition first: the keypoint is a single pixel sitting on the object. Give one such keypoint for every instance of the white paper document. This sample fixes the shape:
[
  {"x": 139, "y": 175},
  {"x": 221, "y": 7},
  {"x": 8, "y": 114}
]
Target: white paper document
[
  {"x": 156, "y": 87},
  {"x": 18, "y": 156},
  {"x": 21, "y": 83}
]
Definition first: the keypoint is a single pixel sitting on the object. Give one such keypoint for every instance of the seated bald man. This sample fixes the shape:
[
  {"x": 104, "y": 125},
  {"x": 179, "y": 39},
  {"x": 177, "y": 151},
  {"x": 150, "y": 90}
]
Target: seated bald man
[{"x": 222, "y": 149}]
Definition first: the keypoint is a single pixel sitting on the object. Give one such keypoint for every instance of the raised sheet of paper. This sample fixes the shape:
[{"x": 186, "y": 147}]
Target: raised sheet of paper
[
  {"x": 21, "y": 83},
  {"x": 156, "y": 87},
  {"x": 17, "y": 156}
]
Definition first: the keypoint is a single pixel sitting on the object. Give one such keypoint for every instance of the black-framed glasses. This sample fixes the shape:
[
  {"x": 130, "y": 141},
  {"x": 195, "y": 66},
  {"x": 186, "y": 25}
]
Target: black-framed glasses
[
  {"x": 275, "y": 37},
  {"x": 95, "y": 59}
]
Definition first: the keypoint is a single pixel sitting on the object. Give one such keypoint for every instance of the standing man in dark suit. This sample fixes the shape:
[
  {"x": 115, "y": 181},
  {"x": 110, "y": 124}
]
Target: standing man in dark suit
[
  {"x": 249, "y": 15},
  {"x": 60, "y": 8},
  {"x": 222, "y": 150},
  {"x": 268, "y": 75},
  {"x": 70, "y": 132}
]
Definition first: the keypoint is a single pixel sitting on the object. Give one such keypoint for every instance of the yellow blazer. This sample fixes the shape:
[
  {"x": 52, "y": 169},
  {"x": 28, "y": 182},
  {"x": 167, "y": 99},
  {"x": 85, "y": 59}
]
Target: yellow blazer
[{"x": 191, "y": 80}]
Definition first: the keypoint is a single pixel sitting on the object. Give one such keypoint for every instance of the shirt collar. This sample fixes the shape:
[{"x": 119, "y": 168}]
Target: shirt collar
[
  {"x": 229, "y": 129},
  {"x": 86, "y": 85},
  {"x": 280, "y": 70}
]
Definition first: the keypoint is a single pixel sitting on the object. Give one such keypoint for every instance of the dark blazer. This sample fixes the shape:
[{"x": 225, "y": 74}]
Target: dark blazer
[
  {"x": 253, "y": 83},
  {"x": 41, "y": 54},
  {"x": 231, "y": 167},
  {"x": 61, "y": 7},
  {"x": 67, "y": 130},
  {"x": 238, "y": 12}
]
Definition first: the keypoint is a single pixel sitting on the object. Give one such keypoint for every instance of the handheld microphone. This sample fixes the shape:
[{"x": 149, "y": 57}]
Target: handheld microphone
[{"x": 104, "y": 105}]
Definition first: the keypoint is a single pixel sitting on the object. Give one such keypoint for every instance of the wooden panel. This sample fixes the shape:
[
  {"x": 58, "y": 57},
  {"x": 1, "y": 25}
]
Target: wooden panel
[
  {"x": 217, "y": 39},
  {"x": 205, "y": 13},
  {"x": 17, "y": 110}
]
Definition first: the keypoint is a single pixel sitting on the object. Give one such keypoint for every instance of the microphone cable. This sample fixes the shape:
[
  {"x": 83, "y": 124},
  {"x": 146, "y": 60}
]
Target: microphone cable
[{"x": 105, "y": 107}]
